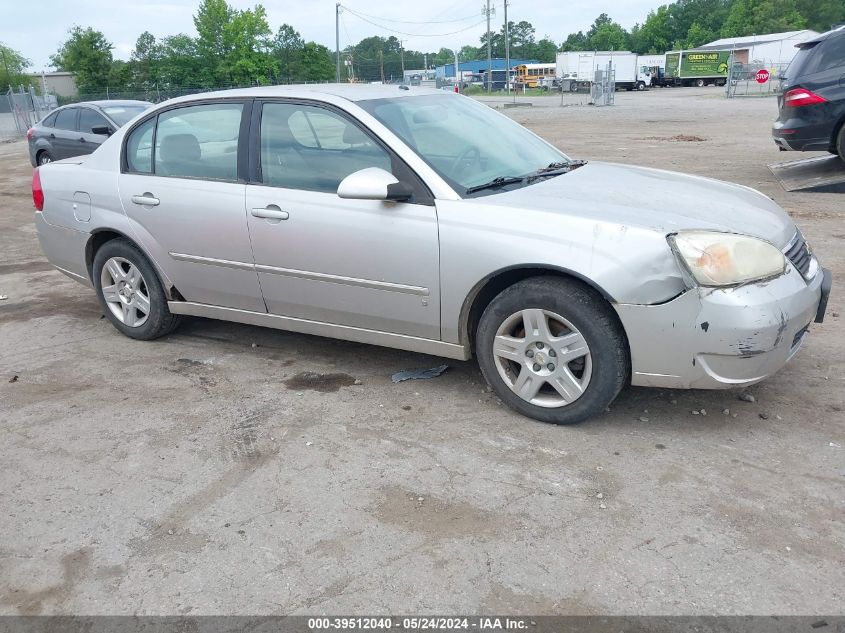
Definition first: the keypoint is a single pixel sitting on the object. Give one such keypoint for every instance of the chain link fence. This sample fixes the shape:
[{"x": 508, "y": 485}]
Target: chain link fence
[
  {"x": 21, "y": 109},
  {"x": 754, "y": 80},
  {"x": 603, "y": 88}
]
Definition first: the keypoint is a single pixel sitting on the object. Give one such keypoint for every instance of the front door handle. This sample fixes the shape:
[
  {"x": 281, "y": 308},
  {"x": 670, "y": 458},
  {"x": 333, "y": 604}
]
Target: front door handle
[
  {"x": 146, "y": 200},
  {"x": 270, "y": 213},
  {"x": 81, "y": 139}
]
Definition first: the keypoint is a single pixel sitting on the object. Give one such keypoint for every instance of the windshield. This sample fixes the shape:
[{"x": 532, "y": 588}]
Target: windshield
[
  {"x": 464, "y": 141},
  {"x": 123, "y": 114}
]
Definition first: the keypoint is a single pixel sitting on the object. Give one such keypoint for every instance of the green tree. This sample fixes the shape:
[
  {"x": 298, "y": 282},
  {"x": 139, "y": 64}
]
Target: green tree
[
  {"x": 607, "y": 35},
  {"x": 545, "y": 50},
  {"x": 287, "y": 51},
  {"x": 12, "y": 66},
  {"x": 180, "y": 63},
  {"x": 211, "y": 20},
  {"x": 145, "y": 61},
  {"x": 655, "y": 35},
  {"x": 748, "y": 17},
  {"x": 87, "y": 53},
  {"x": 698, "y": 35},
  {"x": 247, "y": 43},
  {"x": 821, "y": 15},
  {"x": 710, "y": 15},
  {"x": 317, "y": 63},
  {"x": 576, "y": 42}
]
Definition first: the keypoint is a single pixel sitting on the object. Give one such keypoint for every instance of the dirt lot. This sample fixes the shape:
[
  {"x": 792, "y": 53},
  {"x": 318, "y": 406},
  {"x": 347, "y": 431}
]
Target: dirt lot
[{"x": 192, "y": 475}]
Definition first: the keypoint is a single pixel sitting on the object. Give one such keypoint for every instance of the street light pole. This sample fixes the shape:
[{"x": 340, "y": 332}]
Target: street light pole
[{"x": 489, "y": 52}]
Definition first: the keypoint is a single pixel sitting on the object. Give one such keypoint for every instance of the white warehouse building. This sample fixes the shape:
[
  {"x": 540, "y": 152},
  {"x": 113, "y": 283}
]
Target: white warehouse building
[{"x": 774, "y": 50}]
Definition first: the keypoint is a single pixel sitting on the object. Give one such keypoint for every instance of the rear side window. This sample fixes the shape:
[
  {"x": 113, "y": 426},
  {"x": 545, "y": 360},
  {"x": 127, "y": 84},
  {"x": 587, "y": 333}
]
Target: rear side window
[
  {"x": 89, "y": 119},
  {"x": 199, "y": 142},
  {"x": 139, "y": 148},
  {"x": 66, "y": 119},
  {"x": 831, "y": 54}
]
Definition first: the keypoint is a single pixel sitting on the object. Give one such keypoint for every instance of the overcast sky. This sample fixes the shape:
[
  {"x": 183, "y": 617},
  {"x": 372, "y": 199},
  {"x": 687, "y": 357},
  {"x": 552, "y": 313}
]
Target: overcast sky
[{"x": 37, "y": 30}]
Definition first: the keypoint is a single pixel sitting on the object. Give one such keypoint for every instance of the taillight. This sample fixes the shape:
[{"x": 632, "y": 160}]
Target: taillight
[
  {"x": 29, "y": 134},
  {"x": 798, "y": 97},
  {"x": 37, "y": 191}
]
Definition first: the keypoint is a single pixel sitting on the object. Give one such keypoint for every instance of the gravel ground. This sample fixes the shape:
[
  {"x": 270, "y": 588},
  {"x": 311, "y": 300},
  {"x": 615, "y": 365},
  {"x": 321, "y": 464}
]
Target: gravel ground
[{"x": 200, "y": 474}]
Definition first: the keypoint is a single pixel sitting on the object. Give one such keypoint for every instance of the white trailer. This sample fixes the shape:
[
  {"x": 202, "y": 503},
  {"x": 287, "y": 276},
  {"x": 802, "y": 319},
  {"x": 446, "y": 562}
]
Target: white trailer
[{"x": 580, "y": 68}]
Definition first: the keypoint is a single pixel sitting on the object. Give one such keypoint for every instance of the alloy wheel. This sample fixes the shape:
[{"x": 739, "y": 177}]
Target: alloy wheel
[
  {"x": 542, "y": 358},
  {"x": 125, "y": 291}
]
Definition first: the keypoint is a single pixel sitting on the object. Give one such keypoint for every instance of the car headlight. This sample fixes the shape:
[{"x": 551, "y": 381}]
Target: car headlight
[{"x": 726, "y": 259}]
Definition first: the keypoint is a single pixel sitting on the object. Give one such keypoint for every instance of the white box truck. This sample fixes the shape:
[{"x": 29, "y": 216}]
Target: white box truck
[{"x": 579, "y": 67}]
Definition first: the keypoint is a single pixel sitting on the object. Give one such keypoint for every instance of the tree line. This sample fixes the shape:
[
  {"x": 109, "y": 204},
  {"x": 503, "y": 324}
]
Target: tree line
[{"x": 235, "y": 47}]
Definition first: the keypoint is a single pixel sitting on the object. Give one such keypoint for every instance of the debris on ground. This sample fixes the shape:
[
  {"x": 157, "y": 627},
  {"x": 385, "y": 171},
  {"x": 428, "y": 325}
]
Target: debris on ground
[
  {"x": 13, "y": 378},
  {"x": 3, "y": 297},
  {"x": 747, "y": 397},
  {"x": 726, "y": 412},
  {"x": 834, "y": 445},
  {"x": 418, "y": 374},
  {"x": 763, "y": 415},
  {"x": 643, "y": 419}
]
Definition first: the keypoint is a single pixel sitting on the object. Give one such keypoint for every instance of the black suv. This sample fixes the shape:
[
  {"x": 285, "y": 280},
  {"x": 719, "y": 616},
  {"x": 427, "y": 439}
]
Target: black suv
[{"x": 812, "y": 97}]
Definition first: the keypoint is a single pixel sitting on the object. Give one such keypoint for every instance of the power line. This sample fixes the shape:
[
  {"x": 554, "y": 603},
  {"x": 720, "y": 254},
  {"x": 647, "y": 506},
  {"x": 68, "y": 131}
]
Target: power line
[
  {"x": 378, "y": 17},
  {"x": 392, "y": 30}
]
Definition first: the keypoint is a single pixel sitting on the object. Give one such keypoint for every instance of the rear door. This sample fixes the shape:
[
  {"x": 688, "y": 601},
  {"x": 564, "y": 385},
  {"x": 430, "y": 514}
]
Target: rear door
[
  {"x": 181, "y": 186},
  {"x": 64, "y": 137}
]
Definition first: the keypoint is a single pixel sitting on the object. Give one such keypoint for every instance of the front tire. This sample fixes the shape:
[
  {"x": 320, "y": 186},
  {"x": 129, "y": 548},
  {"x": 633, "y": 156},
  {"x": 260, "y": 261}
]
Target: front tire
[
  {"x": 130, "y": 292},
  {"x": 699, "y": 83},
  {"x": 553, "y": 350}
]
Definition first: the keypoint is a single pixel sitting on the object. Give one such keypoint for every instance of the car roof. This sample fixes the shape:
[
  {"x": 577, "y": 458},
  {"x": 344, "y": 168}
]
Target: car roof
[
  {"x": 106, "y": 103},
  {"x": 350, "y": 92},
  {"x": 839, "y": 30}
]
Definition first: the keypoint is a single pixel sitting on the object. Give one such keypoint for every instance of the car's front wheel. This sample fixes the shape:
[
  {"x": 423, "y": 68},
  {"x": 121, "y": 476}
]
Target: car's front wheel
[
  {"x": 552, "y": 349},
  {"x": 130, "y": 292}
]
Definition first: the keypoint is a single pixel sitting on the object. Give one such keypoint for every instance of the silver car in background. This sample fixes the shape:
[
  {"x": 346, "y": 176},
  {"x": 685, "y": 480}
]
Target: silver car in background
[{"x": 426, "y": 221}]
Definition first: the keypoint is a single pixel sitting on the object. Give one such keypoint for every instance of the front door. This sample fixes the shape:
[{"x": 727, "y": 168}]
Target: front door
[
  {"x": 362, "y": 263},
  {"x": 187, "y": 205}
]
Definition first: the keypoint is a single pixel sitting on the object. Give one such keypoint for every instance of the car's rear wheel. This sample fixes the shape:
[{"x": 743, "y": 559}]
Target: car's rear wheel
[
  {"x": 699, "y": 83},
  {"x": 130, "y": 292},
  {"x": 840, "y": 142},
  {"x": 43, "y": 157},
  {"x": 552, "y": 349}
]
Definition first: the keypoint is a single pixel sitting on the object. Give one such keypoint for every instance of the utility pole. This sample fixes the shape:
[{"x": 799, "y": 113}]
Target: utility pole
[
  {"x": 507, "y": 50},
  {"x": 337, "y": 39},
  {"x": 402, "y": 57},
  {"x": 457, "y": 73},
  {"x": 381, "y": 57},
  {"x": 487, "y": 11}
]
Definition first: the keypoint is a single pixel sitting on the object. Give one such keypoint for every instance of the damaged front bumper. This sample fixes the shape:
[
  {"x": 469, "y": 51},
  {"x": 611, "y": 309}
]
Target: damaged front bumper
[{"x": 717, "y": 338}]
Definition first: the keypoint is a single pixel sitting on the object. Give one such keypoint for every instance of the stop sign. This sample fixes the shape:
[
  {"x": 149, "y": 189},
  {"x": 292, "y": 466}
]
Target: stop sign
[{"x": 762, "y": 76}]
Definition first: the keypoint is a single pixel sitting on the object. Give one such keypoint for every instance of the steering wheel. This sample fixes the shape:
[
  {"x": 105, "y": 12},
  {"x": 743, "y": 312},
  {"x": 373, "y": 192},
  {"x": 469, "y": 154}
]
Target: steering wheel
[{"x": 470, "y": 156}]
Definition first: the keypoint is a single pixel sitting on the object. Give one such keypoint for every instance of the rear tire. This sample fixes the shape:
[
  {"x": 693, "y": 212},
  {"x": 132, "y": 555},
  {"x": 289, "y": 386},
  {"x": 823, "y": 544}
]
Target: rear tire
[
  {"x": 840, "y": 142},
  {"x": 552, "y": 350},
  {"x": 130, "y": 292},
  {"x": 43, "y": 157},
  {"x": 699, "y": 83}
]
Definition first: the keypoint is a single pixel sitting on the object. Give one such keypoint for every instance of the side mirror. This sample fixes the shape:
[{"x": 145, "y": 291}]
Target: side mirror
[
  {"x": 373, "y": 183},
  {"x": 103, "y": 130}
]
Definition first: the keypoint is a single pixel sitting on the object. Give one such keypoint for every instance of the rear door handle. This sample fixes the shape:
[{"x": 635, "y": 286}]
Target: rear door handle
[
  {"x": 81, "y": 139},
  {"x": 146, "y": 200},
  {"x": 270, "y": 213}
]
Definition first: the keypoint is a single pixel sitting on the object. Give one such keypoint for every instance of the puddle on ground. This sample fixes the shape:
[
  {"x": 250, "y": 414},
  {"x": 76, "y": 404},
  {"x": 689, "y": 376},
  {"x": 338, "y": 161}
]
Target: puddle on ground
[{"x": 319, "y": 382}]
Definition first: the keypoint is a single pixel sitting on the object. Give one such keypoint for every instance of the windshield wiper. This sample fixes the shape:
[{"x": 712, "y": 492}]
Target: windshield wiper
[
  {"x": 501, "y": 181},
  {"x": 555, "y": 169}
]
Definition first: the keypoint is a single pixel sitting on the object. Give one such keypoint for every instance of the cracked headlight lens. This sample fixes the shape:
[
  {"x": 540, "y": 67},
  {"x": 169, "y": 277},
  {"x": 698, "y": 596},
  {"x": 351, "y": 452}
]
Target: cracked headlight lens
[{"x": 726, "y": 259}]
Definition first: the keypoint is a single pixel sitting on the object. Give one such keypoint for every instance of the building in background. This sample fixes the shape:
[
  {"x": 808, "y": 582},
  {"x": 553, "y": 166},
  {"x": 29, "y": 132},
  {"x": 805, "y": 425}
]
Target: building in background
[
  {"x": 59, "y": 83},
  {"x": 773, "y": 51},
  {"x": 477, "y": 66}
]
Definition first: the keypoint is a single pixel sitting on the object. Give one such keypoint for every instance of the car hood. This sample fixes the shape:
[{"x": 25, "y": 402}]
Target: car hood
[{"x": 655, "y": 199}]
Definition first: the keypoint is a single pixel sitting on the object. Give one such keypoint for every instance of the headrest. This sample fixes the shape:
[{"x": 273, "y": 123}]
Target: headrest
[{"x": 180, "y": 148}]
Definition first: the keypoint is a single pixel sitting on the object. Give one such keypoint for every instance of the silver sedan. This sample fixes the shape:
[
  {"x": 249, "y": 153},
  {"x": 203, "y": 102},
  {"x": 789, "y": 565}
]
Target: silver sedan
[{"x": 426, "y": 221}]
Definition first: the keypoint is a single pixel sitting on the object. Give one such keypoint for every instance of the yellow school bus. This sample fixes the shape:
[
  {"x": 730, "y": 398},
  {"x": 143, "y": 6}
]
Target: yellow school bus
[{"x": 530, "y": 75}]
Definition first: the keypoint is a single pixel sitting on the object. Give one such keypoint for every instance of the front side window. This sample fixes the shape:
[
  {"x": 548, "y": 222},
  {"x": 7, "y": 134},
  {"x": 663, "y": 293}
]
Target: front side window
[
  {"x": 312, "y": 148},
  {"x": 50, "y": 121},
  {"x": 88, "y": 120},
  {"x": 66, "y": 119},
  {"x": 464, "y": 141},
  {"x": 198, "y": 142}
]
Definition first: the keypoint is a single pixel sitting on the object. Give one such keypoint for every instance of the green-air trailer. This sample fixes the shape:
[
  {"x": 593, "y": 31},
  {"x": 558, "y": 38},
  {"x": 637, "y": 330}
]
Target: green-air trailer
[{"x": 697, "y": 67}]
